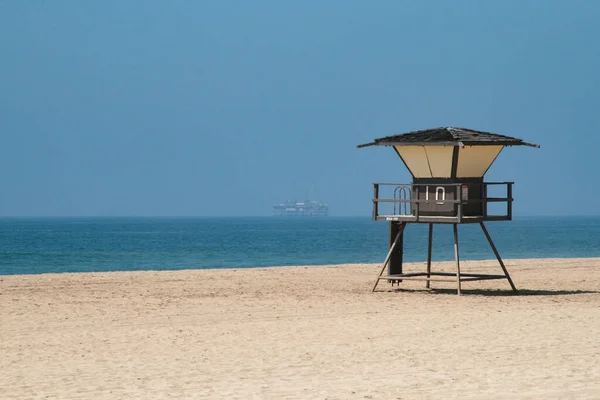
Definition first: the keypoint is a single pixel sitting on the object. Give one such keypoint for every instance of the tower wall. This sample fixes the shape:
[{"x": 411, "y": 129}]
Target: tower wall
[{"x": 438, "y": 194}]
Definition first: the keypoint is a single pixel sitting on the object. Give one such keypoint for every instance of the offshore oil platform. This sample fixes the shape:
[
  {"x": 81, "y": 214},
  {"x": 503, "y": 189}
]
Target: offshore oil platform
[{"x": 292, "y": 208}]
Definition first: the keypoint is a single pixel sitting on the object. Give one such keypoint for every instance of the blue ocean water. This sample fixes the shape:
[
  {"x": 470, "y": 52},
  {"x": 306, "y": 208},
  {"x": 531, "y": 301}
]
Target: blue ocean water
[{"x": 40, "y": 245}]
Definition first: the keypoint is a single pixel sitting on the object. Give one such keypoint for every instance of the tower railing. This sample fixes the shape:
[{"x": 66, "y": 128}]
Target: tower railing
[{"x": 407, "y": 206}]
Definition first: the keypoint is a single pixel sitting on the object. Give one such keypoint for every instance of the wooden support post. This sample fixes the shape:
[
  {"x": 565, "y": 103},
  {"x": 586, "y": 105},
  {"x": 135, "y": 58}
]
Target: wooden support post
[
  {"x": 389, "y": 255},
  {"x": 429, "y": 254},
  {"x": 489, "y": 238},
  {"x": 397, "y": 257},
  {"x": 456, "y": 257},
  {"x": 375, "y": 202}
]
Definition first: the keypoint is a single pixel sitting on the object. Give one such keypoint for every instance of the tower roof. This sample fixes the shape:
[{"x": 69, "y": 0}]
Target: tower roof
[{"x": 448, "y": 136}]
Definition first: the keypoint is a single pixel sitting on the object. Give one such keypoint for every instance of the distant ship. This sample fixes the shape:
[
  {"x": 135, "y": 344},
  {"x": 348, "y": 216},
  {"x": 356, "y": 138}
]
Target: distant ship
[{"x": 301, "y": 208}]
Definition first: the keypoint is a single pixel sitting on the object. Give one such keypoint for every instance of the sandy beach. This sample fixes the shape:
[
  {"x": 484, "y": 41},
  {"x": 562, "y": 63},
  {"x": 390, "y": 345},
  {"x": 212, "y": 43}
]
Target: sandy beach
[{"x": 302, "y": 333}]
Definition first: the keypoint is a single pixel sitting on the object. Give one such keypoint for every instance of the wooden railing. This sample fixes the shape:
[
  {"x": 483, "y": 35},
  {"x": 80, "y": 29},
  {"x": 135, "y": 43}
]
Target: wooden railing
[{"x": 409, "y": 208}]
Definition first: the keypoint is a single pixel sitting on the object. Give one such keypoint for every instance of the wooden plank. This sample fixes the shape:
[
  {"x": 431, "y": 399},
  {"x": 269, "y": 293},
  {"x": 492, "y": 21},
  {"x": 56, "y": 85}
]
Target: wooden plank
[
  {"x": 496, "y": 218},
  {"x": 452, "y": 277},
  {"x": 417, "y": 278},
  {"x": 398, "y": 218},
  {"x": 442, "y": 274},
  {"x": 438, "y": 219},
  {"x": 496, "y": 199},
  {"x": 482, "y": 278}
]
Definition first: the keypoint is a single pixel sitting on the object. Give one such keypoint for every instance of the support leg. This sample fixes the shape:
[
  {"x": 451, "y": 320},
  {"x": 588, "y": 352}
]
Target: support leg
[
  {"x": 389, "y": 255},
  {"x": 429, "y": 255},
  {"x": 489, "y": 238},
  {"x": 456, "y": 257},
  {"x": 396, "y": 259}
]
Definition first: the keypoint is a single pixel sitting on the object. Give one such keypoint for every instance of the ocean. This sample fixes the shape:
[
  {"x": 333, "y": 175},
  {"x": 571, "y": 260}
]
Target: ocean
[{"x": 43, "y": 245}]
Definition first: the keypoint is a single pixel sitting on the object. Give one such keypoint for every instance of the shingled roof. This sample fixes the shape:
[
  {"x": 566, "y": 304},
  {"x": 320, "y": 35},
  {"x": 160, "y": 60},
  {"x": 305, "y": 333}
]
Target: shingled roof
[{"x": 448, "y": 136}]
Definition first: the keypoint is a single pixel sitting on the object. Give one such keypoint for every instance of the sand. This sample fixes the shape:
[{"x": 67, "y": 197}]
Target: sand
[{"x": 302, "y": 333}]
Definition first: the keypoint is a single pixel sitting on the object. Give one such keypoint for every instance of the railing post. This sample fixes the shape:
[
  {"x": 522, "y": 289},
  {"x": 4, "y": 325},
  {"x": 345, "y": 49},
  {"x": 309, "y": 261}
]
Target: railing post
[
  {"x": 375, "y": 202},
  {"x": 510, "y": 200},
  {"x": 416, "y": 214}
]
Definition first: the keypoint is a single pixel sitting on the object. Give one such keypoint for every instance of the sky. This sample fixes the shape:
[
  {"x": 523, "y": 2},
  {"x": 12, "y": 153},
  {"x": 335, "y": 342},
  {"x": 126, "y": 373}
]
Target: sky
[{"x": 224, "y": 108}]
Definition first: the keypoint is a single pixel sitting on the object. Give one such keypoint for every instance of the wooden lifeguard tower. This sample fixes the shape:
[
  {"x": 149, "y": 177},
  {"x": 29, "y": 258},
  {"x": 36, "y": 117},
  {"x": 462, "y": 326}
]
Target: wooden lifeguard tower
[{"x": 447, "y": 165}]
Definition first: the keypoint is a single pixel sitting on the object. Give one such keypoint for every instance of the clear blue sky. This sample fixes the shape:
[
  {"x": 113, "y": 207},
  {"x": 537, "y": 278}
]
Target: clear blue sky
[{"x": 226, "y": 107}]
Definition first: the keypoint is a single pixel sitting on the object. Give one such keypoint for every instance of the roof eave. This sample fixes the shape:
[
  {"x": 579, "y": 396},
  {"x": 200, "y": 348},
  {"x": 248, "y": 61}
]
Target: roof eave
[
  {"x": 537, "y": 146},
  {"x": 420, "y": 144},
  {"x": 460, "y": 144},
  {"x": 360, "y": 146}
]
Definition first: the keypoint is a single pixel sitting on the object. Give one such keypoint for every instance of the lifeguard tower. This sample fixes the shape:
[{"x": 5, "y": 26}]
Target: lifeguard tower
[{"x": 448, "y": 166}]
